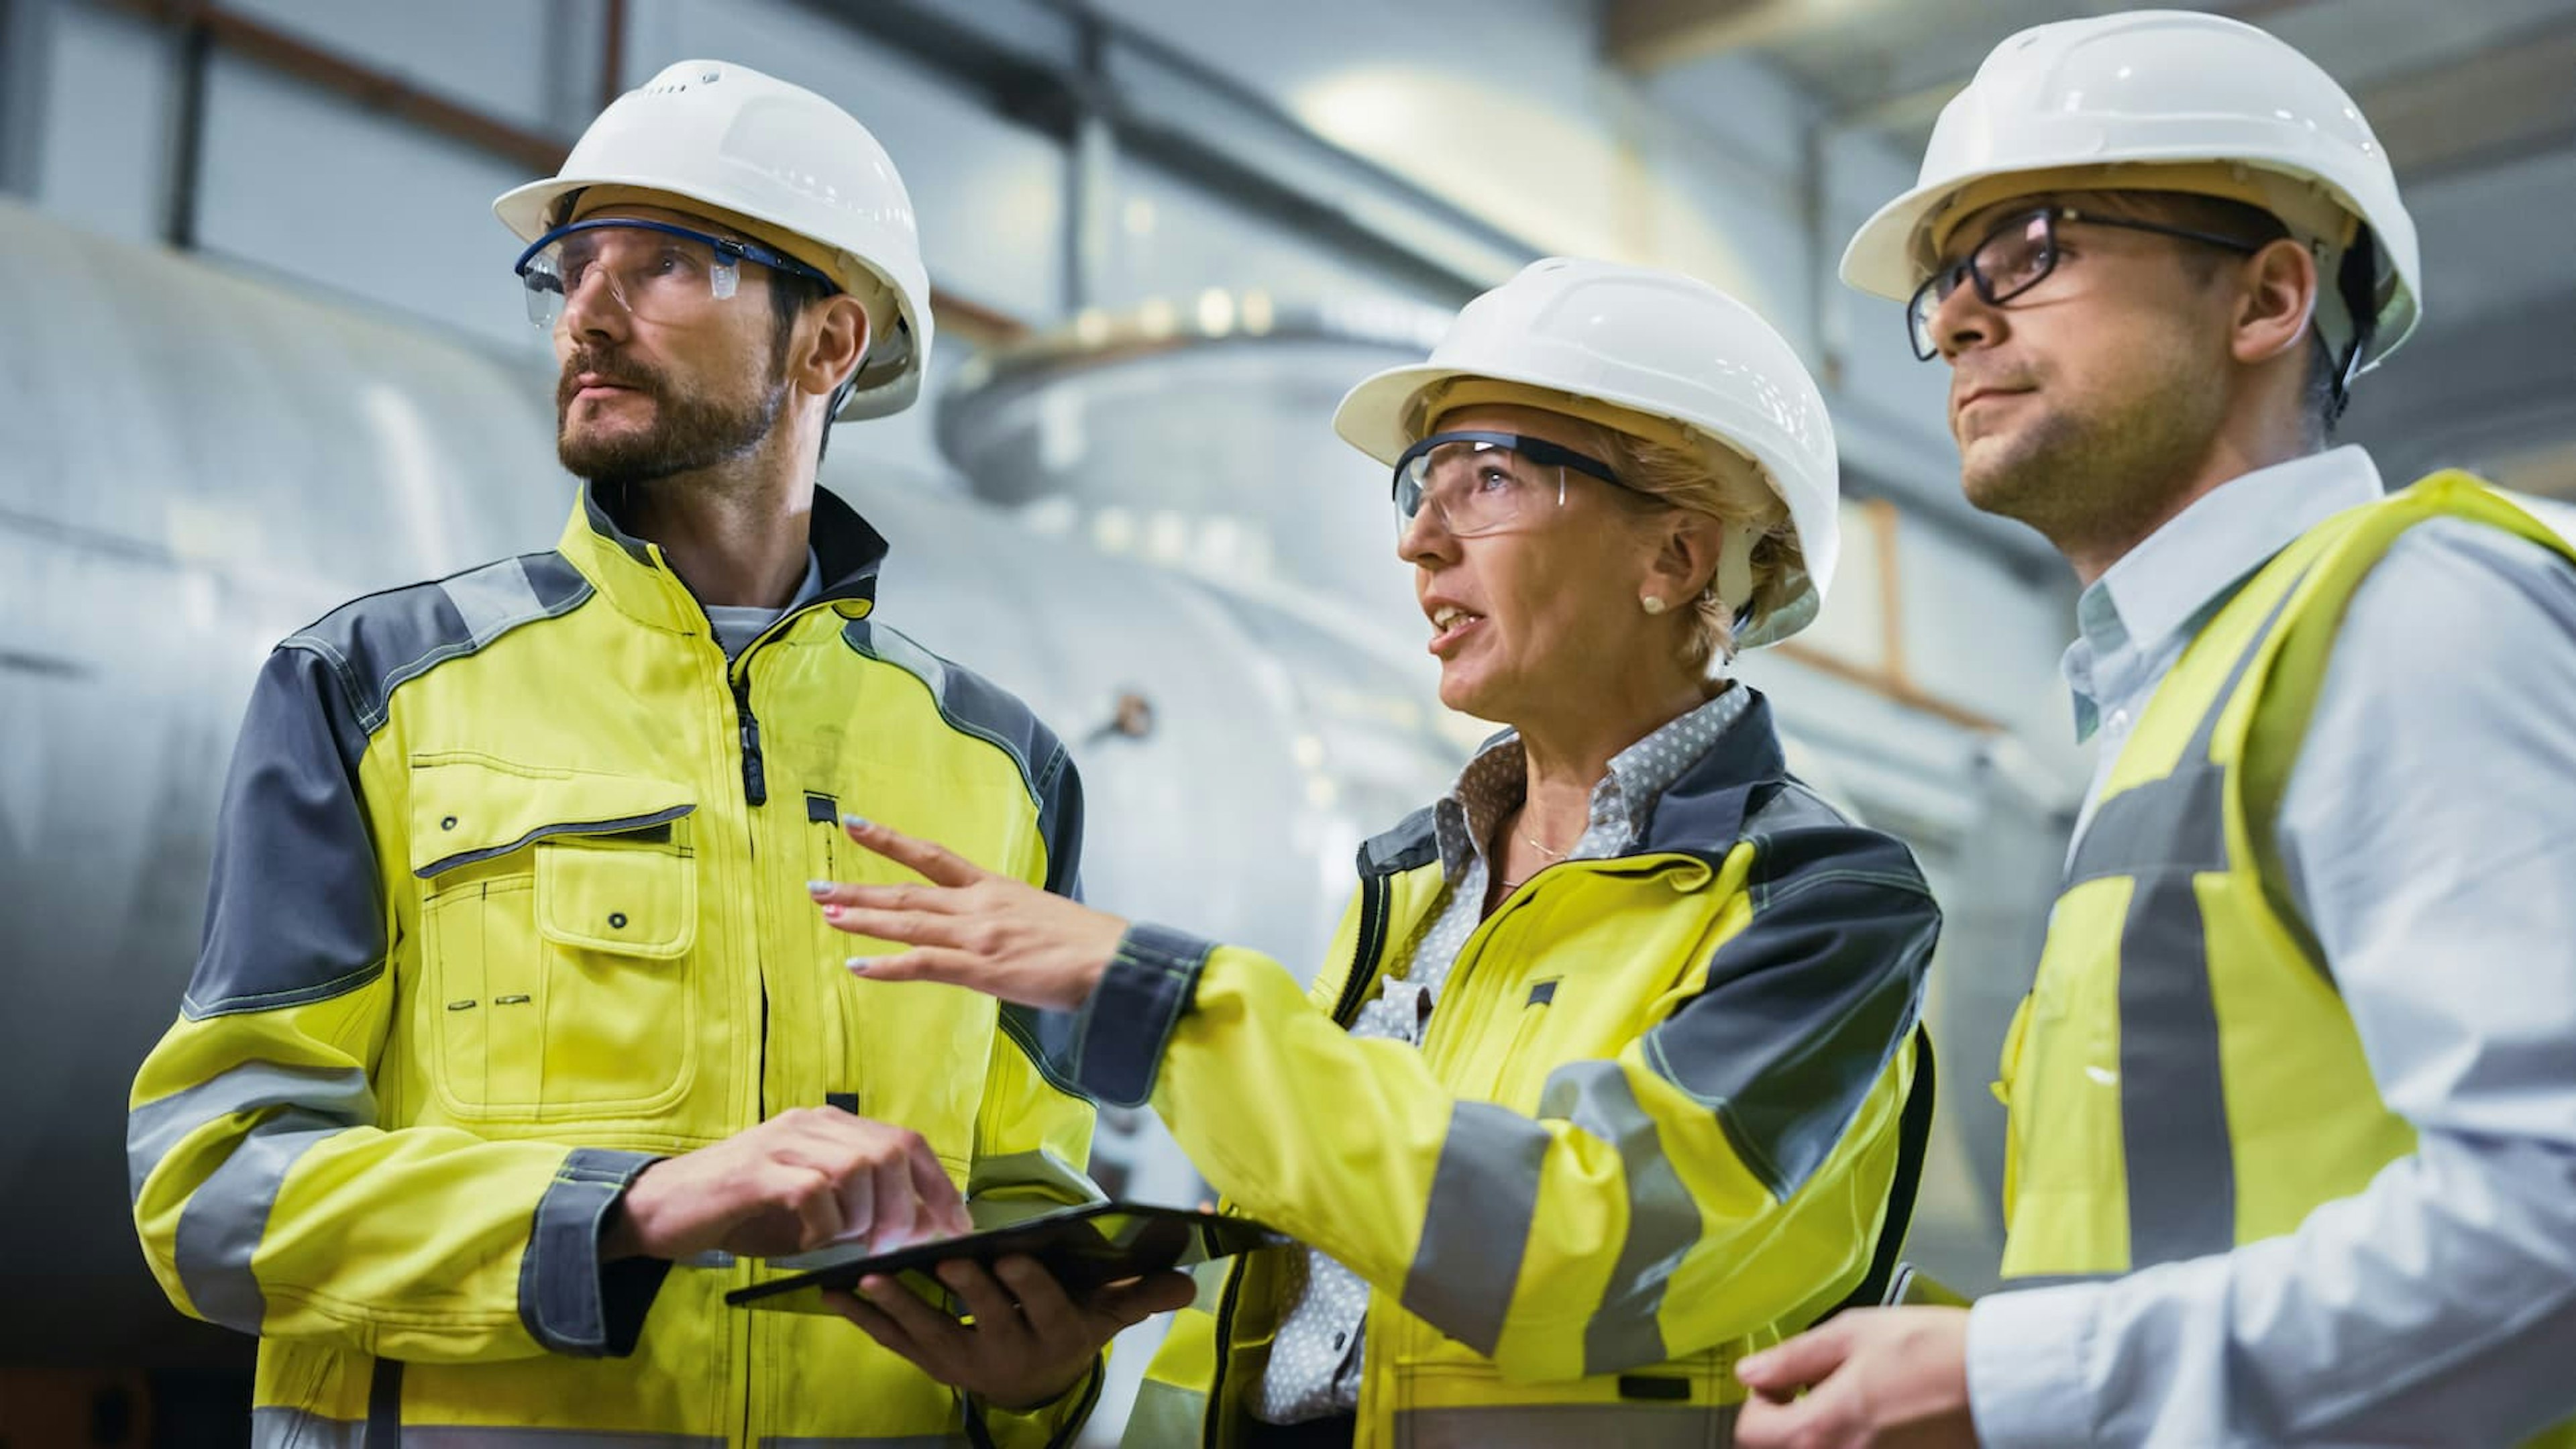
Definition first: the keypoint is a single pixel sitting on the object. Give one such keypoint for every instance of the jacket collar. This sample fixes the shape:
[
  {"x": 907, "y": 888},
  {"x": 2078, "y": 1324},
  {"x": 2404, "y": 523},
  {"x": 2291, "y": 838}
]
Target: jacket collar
[
  {"x": 1700, "y": 813},
  {"x": 2134, "y": 619},
  {"x": 635, "y": 576}
]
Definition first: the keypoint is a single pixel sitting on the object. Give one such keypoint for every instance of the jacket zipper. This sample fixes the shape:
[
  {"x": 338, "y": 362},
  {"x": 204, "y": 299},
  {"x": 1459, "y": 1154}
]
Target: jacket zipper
[
  {"x": 755, "y": 777},
  {"x": 1224, "y": 1337},
  {"x": 1374, "y": 893}
]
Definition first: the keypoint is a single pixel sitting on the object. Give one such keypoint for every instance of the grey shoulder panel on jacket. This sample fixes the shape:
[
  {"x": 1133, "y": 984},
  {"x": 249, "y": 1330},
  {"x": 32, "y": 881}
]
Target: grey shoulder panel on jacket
[
  {"x": 1805, "y": 1006},
  {"x": 374, "y": 645},
  {"x": 975, "y": 706},
  {"x": 294, "y": 910},
  {"x": 970, "y": 703},
  {"x": 1409, "y": 844}
]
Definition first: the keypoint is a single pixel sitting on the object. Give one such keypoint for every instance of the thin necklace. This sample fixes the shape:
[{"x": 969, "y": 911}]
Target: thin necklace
[{"x": 1542, "y": 848}]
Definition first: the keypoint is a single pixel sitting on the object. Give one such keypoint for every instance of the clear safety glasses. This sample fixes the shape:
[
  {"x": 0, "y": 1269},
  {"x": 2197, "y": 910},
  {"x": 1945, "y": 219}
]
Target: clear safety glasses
[
  {"x": 1478, "y": 482},
  {"x": 656, "y": 271},
  {"x": 2019, "y": 255}
]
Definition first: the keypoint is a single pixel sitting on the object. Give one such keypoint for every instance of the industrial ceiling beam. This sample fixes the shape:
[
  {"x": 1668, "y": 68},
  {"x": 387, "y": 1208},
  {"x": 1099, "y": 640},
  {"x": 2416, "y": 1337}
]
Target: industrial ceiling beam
[
  {"x": 2505, "y": 103},
  {"x": 1652, "y": 35},
  {"x": 2501, "y": 104},
  {"x": 205, "y": 27}
]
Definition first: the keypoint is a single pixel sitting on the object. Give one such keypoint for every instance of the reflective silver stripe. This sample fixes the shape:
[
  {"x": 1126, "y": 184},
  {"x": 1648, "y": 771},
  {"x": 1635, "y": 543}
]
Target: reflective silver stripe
[
  {"x": 274, "y": 1428},
  {"x": 2179, "y": 1157},
  {"x": 1663, "y": 1221},
  {"x": 1210, "y": 1277},
  {"x": 2176, "y": 823},
  {"x": 226, "y": 1216},
  {"x": 904, "y": 1441},
  {"x": 2173, "y": 1098},
  {"x": 1165, "y": 1415},
  {"x": 493, "y": 598},
  {"x": 1484, "y": 1194},
  {"x": 1552, "y": 1426},
  {"x": 1061, "y": 1182},
  {"x": 151, "y": 1130},
  {"x": 482, "y": 1436}
]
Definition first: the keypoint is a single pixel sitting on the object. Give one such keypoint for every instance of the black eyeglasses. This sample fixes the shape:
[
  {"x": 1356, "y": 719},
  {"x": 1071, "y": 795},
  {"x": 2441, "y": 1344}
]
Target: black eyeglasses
[{"x": 2018, "y": 255}]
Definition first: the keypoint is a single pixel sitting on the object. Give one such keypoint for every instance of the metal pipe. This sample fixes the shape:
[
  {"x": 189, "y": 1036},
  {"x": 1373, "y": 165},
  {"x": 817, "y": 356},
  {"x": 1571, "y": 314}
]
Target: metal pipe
[
  {"x": 377, "y": 90},
  {"x": 612, "y": 52},
  {"x": 192, "y": 57}
]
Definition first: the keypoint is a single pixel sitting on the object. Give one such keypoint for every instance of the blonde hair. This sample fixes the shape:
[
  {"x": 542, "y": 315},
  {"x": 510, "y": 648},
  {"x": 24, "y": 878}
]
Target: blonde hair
[
  {"x": 1707, "y": 477},
  {"x": 1677, "y": 467}
]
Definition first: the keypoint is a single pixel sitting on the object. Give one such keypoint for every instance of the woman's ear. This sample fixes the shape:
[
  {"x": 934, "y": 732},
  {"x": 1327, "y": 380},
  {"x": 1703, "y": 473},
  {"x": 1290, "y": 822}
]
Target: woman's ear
[{"x": 1687, "y": 547}]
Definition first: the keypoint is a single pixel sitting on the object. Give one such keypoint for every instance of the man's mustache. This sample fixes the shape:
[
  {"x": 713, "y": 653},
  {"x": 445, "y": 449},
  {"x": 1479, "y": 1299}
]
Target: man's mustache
[{"x": 601, "y": 368}]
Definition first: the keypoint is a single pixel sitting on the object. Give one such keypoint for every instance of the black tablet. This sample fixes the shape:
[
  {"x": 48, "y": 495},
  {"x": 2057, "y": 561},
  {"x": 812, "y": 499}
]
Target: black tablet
[{"x": 1084, "y": 1247}]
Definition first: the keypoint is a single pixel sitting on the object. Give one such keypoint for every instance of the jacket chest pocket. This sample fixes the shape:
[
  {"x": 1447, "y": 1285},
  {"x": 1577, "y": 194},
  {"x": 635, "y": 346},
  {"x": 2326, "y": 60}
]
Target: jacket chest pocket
[{"x": 559, "y": 920}]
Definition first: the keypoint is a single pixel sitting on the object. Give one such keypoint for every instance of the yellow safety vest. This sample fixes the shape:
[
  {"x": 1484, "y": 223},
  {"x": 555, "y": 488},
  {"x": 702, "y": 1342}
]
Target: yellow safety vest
[{"x": 2184, "y": 1077}]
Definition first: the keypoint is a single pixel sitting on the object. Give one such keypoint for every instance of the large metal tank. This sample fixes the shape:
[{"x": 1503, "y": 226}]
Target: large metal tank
[
  {"x": 199, "y": 463},
  {"x": 1198, "y": 436}
]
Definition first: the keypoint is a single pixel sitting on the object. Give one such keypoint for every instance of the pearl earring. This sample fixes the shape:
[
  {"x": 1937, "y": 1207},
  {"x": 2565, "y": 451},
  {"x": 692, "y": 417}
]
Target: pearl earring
[{"x": 1650, "y": 604}]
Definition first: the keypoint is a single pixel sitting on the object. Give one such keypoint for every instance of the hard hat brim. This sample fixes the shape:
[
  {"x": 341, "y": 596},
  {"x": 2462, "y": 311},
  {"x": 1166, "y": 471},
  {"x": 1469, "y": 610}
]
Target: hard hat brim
[{"x": 1373, "y": 417}]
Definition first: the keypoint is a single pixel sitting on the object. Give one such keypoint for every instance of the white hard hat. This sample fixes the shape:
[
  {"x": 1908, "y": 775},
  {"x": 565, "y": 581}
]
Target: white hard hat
[
  {"x": 1651, "y": 343},
  {"x": 2159, "y": 100},
  {"x": 805, "y": 175}
]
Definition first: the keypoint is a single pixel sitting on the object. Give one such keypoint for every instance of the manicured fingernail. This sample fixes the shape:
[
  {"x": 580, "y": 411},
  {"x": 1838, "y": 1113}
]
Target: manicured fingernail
[
  {"x": 855, "y": 822},
  {"x": 858, "y": 964},
  {"x": 831, "y": 913},
  {"x": 817, "y": 887}
]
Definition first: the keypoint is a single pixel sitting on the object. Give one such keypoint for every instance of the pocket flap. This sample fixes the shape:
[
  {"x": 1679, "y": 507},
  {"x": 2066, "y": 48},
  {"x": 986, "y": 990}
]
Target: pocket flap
[
  {"x": 469, "y": 808},
  {"x": 634, "y": 900}
]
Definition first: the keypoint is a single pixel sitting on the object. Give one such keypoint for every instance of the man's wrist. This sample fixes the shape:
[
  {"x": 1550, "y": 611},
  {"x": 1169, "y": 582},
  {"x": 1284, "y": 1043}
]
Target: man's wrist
[
  {"x": 622, "y": 1236},
  {"x": 1081, "y": 1376}
]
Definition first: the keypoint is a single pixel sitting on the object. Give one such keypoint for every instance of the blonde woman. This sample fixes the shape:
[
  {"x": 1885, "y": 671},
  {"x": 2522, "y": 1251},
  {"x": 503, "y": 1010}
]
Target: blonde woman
[{"x": 1600, "y": 1087}]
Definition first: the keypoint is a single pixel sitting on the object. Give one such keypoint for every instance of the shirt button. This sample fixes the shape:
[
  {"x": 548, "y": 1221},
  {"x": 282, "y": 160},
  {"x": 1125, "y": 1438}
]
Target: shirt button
[
  {"x": 1341, "y": 1338},
  {"x": 2119, "y": 722}
]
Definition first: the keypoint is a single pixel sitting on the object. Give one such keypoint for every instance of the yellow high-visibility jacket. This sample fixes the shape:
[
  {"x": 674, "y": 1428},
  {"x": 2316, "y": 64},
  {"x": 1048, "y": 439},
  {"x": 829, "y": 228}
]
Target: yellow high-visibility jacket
[
  {"x": 1652, "y": 1126},
  {"x": 509, "y": 900}
]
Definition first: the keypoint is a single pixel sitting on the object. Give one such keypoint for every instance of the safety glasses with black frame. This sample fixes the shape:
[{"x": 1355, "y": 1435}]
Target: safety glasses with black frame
[
  {"x": 2019, "y": 254},
  {"x": 655, "y": 270},
  {"x": 1477, "y": 482}
]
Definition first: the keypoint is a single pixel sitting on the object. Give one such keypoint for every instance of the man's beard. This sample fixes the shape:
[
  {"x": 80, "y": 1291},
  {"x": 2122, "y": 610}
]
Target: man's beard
[
  {"x": 690, "y": 430},
  {"x": 2087, "y": 481}
]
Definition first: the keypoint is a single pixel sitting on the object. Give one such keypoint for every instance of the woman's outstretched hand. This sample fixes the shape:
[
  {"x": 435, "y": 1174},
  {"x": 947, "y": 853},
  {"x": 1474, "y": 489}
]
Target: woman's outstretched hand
[{"x": 969, "y": 927}]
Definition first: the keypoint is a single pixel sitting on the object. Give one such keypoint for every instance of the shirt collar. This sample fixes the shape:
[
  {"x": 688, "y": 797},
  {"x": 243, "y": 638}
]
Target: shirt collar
[
  {"x": 2170, "y": 582},
  {"x": 1497, "y": 779}
]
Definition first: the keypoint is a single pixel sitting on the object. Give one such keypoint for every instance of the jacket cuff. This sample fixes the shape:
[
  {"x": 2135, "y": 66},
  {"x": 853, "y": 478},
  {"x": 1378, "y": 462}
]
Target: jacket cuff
[
  {"x": 1050, "y": 1425},
  {"x": 571, "y": 1302},
  {"x": 1124, "y": 1024}
]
